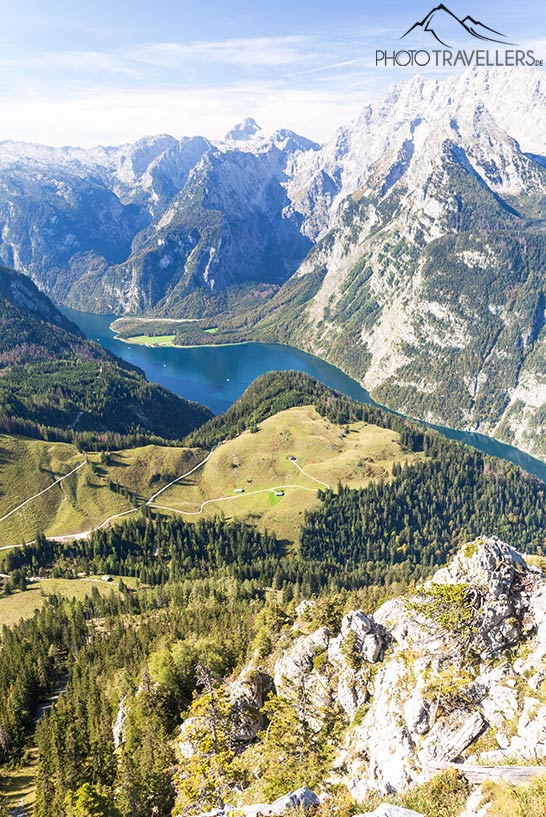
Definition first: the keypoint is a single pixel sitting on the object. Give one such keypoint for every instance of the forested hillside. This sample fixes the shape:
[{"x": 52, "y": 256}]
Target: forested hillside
[{"x": 56, "y": 384}]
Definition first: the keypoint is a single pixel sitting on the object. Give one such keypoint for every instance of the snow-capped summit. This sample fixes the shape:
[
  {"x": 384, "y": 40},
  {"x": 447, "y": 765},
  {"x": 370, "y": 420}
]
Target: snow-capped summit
[{"x": 244, "y": 131}]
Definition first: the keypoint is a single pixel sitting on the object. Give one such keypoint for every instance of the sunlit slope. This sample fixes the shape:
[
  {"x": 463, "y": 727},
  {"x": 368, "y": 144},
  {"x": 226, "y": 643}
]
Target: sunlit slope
[
  {"x": 268, "y": 476},
  {"x": 19, "y": 605},
  {"x": 258, "y": 464},
  {"x": 104, "y": 486}
]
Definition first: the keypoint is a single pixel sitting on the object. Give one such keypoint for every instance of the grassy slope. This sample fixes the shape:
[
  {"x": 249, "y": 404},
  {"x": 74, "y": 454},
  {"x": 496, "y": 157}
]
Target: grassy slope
[
  {"x": 260, "y": 460},
  {"x": 22, "y": 605},
  {"x": 251, "y": 461},
  {"x": 84, "y": 499},
  {"x": 17, "y": 785},
  {"x": 150, "y": 340}
]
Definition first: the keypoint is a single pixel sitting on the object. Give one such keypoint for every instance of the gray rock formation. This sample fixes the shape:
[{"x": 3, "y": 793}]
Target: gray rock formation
[
  {"x": 301, "y": 798},
  {"x": 429, "y": 701},
  {"x": 247, "y": 696},
  {"x": 417, "y": 690},
  {"x": 361, "y": 642},
  {"x": 118, "y": 729},
  {"x": 299, "y": 679}
]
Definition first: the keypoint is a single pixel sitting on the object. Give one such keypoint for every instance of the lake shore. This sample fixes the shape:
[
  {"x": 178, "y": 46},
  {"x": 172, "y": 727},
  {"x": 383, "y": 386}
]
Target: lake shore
[
  {"x": 217, "y": 374},
  {"x": 137, "y": 341}
]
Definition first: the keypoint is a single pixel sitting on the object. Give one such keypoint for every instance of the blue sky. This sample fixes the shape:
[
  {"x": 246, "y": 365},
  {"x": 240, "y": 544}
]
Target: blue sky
[{"x": 108, "y": 72}]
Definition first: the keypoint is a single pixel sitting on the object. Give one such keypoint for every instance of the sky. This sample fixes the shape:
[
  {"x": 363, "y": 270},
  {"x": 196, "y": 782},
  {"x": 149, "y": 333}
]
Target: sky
[{"x": 110, "y": 71}]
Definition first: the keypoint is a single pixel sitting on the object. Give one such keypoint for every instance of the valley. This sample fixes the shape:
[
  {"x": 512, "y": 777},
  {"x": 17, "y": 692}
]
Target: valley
[
  {"x": 218, "y": 375},
  {"x": 273, "y": 464},
  {"x": 414, "y": 236}
]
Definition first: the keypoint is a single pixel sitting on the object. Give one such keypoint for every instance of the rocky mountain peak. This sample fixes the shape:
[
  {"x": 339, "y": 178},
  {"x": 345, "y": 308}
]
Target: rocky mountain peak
[
  {"x": 244, "y": 131},
  {"x": 488, "y": 564}
]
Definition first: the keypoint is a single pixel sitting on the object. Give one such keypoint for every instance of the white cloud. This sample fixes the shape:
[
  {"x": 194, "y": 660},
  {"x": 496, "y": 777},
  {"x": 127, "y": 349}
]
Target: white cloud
[
  {"x": 256, "y": 51},
  {"x": 92, "y": 97},
  {"x": 74, "y": 62}
]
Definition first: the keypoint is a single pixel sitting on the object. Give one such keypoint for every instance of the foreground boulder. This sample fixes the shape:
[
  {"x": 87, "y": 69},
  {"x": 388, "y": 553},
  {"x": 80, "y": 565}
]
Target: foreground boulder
[{"x": 301, "y": 798}]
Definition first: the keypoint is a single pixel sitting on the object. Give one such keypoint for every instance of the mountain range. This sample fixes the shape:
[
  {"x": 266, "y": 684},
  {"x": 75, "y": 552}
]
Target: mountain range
[
  {"x": 159, "y": 224},
  {"x": 408, "y": 250}
]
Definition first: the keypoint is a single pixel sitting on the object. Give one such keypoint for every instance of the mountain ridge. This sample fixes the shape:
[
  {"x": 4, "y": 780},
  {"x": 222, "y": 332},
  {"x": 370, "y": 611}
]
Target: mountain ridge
[{"x": 435, "y": 154}]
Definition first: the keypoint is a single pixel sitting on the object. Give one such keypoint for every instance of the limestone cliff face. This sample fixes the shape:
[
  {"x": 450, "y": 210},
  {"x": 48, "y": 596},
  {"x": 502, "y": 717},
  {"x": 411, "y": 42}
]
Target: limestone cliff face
[
  {"x": 149, "y": 225},
  {"x": 454, "y": 672},
  {"x": 450, "y": 677},
  {"x": 428, "y": 216}
]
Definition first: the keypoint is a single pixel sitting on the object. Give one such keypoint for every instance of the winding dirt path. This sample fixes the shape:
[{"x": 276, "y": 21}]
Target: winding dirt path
[
  {"x": 305, "y": 474},
  {"x": 70, "y": 537},
  {"x": 228, "y": 498},
  {"x": 40, "y": 493},
  {"x": 237, "y": 496}
]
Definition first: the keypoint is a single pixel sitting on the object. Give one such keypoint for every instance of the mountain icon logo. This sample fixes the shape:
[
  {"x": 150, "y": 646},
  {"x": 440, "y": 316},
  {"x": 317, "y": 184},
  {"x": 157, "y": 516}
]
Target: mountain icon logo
[{"x": 444, "y": 25}]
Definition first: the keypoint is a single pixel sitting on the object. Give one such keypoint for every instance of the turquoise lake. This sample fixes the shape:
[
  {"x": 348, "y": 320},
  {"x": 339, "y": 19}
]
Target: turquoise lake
[{"x": 217, "y": 375}]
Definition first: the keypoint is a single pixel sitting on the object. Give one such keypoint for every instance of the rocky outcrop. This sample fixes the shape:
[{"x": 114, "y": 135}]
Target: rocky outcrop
[
  {"x": 360, "y": 643},
  {"x": 302, "y": 798},
  {"x": 360, "y": 636},
  {"x": 247, "y": 697},
  {"x": 450, "y": 736},
  {"x": 436, "y": 692},
  {"x": 320, "y": 662},
  {"x": 498, "y": 577},
  {"x": 453, "y": 673},
  {"x": 118, "y": 729},
  {"x": 427, "y": 681},
  {"x": 299, "y": 677},
  {"x": 295, "y": 666}
]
